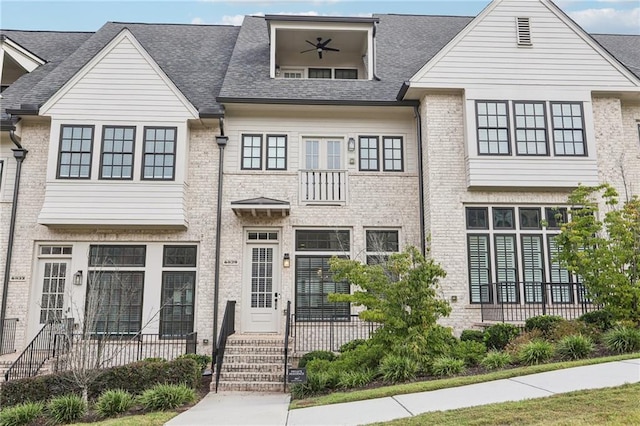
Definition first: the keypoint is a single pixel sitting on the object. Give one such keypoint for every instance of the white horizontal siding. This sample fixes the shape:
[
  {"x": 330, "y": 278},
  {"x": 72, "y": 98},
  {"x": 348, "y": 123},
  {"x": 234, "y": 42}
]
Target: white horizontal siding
[
  {"x": 489, "y": 55},
  {"x": 75, "y": 203},
  {"x": 121, "y": 84},
  {"x": 541, "y": 172}
]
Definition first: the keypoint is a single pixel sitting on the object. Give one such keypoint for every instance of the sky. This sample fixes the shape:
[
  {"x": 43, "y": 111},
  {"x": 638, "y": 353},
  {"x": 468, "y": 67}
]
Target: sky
[{"x": 599, "y": 16}]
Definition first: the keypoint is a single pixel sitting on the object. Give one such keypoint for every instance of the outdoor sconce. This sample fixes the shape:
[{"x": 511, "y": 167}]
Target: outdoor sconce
[
  {"x": 286, "y": 261},
  {"x": 277, "y": 70},
  {"x": 77, "y": 278},
  {"x": 351, "y": 145},
  {"x": 221, "y": 140}
]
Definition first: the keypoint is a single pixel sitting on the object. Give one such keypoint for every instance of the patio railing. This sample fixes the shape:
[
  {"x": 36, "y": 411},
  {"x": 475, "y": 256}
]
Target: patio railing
[
  {"x": 329, "y": 334},
  {"x": 323, "y": 186}
]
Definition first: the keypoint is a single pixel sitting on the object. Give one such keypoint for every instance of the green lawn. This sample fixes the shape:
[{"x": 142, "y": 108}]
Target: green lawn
[
  {"x": 613, "y": 406},
  {"x": 151, "y": 419},
  {"x": 381, "y": 392}
]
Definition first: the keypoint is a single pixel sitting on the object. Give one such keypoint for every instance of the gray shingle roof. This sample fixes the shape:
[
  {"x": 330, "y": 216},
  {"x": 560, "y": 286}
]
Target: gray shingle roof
[
  {"x": 625, "y": 48},
  {"x": 404, "y": 44}
]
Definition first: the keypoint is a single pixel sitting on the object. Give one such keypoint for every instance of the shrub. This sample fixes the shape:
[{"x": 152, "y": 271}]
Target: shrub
[
  {"x": 622, "y": 339},
  {"x": 397, "y": 368},
  {"x": 472, "y": 335},
  {"x": 355, "y": 379},
  {"x": 514, "y": 346},
  {"x": 498, "y": 336},
  {"x": 23, "y": 414},
  {"x": 446, "y": 366},
  {"x": 349, "y": 346},
  {"x": 535, "y": 352},
  {"x": 114, "y": 401},
  {"x": 362, "y": 357},
  {"x": 203, "y": 361},
  {"x": 469, "y": 351},
  {"x": 134, "y": 378},
  {"x": 66, "y": 408},
  {"x": 166, "y": 397},
  {"x": 602, "y": 319},
  {"x": 495, "y": 360},
  {"x": 317, "y": 382},
  {"x": 154, "y": 359},
  {"x": 574, "y": 347},
  {"x": 572, "y": 328},
  {"x": 545, "y": 323},
  {"x": 326, "y": 355}
]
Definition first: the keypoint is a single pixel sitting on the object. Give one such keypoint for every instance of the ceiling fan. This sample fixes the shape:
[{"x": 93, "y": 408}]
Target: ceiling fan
[{"x": 320, "y": 47}]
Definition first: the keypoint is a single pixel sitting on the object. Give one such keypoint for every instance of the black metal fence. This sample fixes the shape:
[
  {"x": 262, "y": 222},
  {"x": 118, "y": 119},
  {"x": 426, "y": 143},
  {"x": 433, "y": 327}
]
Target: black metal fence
[
  {"x": 518, "y": 301},
  {"x": 330, "y": 333},
  {"x": 8, "y": 336},
  {"x": 115, "y": 350}
]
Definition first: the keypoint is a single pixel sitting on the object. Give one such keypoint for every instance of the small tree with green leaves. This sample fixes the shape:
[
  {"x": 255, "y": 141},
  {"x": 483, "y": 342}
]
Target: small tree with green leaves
[
  {"x": 603, "y": 249},
  {"x": 401, "y": 294}
]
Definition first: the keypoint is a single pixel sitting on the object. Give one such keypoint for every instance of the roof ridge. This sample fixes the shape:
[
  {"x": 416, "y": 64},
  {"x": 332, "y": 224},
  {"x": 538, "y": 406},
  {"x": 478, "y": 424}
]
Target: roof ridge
[
  {"x": 170, "y": 23},
  {"x": 48, "y": 31},
  {"x": 423, "y": 15}
]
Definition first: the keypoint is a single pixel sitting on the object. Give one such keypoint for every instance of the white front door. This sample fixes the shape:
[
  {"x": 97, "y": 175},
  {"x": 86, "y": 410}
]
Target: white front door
[
  {"x": 322, "y": 154},
  {"x": 52, "y": 288},
  {"x": 262, "y": 299}
]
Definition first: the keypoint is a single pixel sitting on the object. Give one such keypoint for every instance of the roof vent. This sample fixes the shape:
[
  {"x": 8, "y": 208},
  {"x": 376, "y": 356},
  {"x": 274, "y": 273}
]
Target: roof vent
[{"x": 523, "y": 31}]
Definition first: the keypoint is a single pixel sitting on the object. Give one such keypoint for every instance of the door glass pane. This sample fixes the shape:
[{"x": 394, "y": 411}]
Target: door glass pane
[
  {"x": 333, "y": 155},
  {"x": 312, "y": 155},
  {"x": 53, "y": 284},
  {"x": 261, "y": 277}
]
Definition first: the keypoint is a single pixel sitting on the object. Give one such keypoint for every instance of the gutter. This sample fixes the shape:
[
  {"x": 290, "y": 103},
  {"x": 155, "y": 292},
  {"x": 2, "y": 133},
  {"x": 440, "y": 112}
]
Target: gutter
[
  {"x": 423, "y": 234},
  {"x": 19, "y": 153},
  {"x": 331, "y": 102}
]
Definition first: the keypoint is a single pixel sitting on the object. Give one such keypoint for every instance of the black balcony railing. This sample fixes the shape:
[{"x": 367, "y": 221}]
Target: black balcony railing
[
  {"x": 287, "y": 332},
  {"x": 8, "y": 336},
  {"x": 331, "y": 333},
  {"x": 227, "y": 329},
  {"x": 518, "y": 301}
]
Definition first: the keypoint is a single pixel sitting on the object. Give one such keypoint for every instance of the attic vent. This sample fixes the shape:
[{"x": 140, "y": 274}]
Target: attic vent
[{"x": 523, "y": 30}]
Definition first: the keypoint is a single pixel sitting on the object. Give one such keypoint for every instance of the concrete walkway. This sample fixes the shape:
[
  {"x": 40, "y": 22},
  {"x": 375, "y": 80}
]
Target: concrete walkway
[{"x": 238, "y": 408}]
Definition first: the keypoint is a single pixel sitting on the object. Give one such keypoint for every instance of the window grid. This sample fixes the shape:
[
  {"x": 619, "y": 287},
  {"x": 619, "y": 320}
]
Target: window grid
[
  {"x": 115, "y": 255},
  {"x": 320, "y": 73},
  {"x": 368, "y": 153},
  {"x": 568, "y": 128},
  {"x": 334, "y": 161},
  {"x": 76, "y": 149},
  {"x": 53, "y": 289},
  {"x": 276, "y": 152},
  {"x": 493, "y": 128},
  {"x": 159, "y": 153},
  {"x": 314, "y": 282},
  {"x": 530, "y": 128},
  {"x": 322, "y": 240},
  {"x": 346, "y": 73},
  {"x": 117, "y": 152},
  {"x": 179, "y": 256},
  {"x": 116, "y": 299},
  {"x": 176, "y": 316},
  {"x": 380, "y": 244},
  {"x": 392, "y": 152},
  {"x": 252, "y": 152}
]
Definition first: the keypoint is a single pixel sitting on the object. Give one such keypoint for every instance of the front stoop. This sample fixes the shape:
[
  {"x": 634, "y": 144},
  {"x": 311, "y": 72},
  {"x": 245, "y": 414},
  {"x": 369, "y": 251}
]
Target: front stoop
[{"x": 253, "y": 363}]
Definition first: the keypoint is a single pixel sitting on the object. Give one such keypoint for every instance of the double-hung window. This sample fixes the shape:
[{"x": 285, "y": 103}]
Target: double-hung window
[
  {"x": 369, "y": 153},
  {"x": 392, "y": 153},
  {"x": 178, "y": 289},
  {"x": 493, "y": 128},
  {"x": 116, "y": 160},
  {"x": 531, "y": 128},
  {"x": 568, "y": 128},
  {"x": 159, "y": 154},
  {"x": 76, "y": 150},
  {"x": 380, "y": 245},
  {"x": 276, "y": 152},
  {"x": 252, "y": 152}
]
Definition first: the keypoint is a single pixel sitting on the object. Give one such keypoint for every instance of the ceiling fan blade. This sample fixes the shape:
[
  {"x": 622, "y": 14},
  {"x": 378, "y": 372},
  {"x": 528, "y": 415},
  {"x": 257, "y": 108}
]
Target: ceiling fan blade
[
  {"x": 331, "y": 49},
  {"x": 313, "y": 44},
  {"x": 323, "y": 44},
  {"x": 320, "y": 54},
  {"x": 308, "y": 50}
]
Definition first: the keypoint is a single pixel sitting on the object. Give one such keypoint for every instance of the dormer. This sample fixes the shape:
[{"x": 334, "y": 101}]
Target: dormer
[
  {"x": 15, "y": 61},
  {"x": 321, "y": 47}
]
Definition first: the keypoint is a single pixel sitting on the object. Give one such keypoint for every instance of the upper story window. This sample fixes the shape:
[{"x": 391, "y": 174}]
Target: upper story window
[
  {"x": 346, "y": 74},
  {"x": 530, "y": 129},
  {"x": 76, "y": 150},
  {"x": 117, "y": 152},
  {"x": 274, "y": 151},
  {"x": 369, "y": 153},
  {"x": 252, "y": 152},
  {"x": 392, "y": 153},
  {"x": 159, "y": 153},
  {"x": 319, "y": 72},
  {"x": 380, "y": 245}
]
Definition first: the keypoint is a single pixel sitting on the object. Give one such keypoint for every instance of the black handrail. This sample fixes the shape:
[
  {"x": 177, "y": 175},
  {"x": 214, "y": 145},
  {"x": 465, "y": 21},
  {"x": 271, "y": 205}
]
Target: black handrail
[
  {"x": 227, "y": 329},
  {"x": 286, "y": 343},
  {"x": 39, "y": 350},
  {"x": 8, "y": 342}
]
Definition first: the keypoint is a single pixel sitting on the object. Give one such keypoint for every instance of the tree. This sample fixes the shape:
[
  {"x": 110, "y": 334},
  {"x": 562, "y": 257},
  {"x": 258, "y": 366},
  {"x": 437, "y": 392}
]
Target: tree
[
  {"x": 604, "y": 250},
  {"x": 401, "y": 294}
]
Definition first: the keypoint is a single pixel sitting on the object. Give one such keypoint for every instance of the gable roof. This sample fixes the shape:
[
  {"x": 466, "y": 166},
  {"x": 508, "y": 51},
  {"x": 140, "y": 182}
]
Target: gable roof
[{"x": 625, "y": 48}]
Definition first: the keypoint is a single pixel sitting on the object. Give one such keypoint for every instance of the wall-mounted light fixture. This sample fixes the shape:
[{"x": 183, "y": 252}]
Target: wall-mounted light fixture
[
  {"x": 77, "y": 278},
  {"x": 277, "y": 70},
  {"x": 351, "y": 145},
  {"x": 286, "y": 261}
]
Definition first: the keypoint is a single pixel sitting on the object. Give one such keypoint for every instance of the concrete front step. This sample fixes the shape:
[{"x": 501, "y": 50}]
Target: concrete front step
[
  {"x": 253, "y": 359},
  {"x": 244, "y": 376},
  {"x": 249, "y": 387},
  {"x": 234, "y": 350},
  {"x": 261, "y": 341},
  {"x": 254, "y": 368}
]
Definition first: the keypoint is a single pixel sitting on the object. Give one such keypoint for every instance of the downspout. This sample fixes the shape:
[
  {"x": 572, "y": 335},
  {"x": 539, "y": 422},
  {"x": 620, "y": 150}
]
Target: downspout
[
  {"x": 222, "y": 142},
  {"x": 19, "y": 153},
  {"x": 423, "y": 236},
  {"x": 373, "y": 53}
]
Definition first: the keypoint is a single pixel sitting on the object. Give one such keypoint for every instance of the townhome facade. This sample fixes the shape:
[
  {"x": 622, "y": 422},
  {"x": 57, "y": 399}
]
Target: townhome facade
[{"x": 204, "y": 164}]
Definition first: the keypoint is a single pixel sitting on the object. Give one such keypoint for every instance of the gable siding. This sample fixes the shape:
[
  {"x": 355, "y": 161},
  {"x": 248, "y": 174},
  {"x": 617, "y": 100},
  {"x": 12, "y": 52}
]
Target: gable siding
[
  {"x": 121, "y": 84},
  {"x": 489, "y": 55}
]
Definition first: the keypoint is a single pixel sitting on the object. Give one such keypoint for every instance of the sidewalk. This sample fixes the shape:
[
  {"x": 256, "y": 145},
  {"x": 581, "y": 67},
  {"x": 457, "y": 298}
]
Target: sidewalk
[{"x": 235, "y": 408}]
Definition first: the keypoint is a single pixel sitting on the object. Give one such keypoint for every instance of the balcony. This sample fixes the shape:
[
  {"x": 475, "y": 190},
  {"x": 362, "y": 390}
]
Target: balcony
[{"x": 327, "y": 187}]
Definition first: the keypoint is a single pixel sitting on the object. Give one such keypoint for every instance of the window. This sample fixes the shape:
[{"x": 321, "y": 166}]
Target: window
[
  {"x": 392, "y": 151},
  {"x": 568, "y": 128},
  {"x": 252, "y": 152},
  {"x": 350, "y": 74},
  {"x": 523, "y": 253},
  {"x": 53, "y": 272},
  {"x": 117, "y": 152},
  {"x": 493, "y": 128},
  {"x": 76, "y": 148},
  {"x": 320, "y": 73},
  {"x": 292, "y": 73},
  {"x": 159, "y": 153},
  {"x": 276, "y": 152},
  {"x": 314, "y": 279},
  {"x": 322, "y": 154},
  {"x": 380, "y": 244},
  {"x": 369, "y": 153},
  {"x": 178, "y": 288},
  {"x": 531, "y": 128}
]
